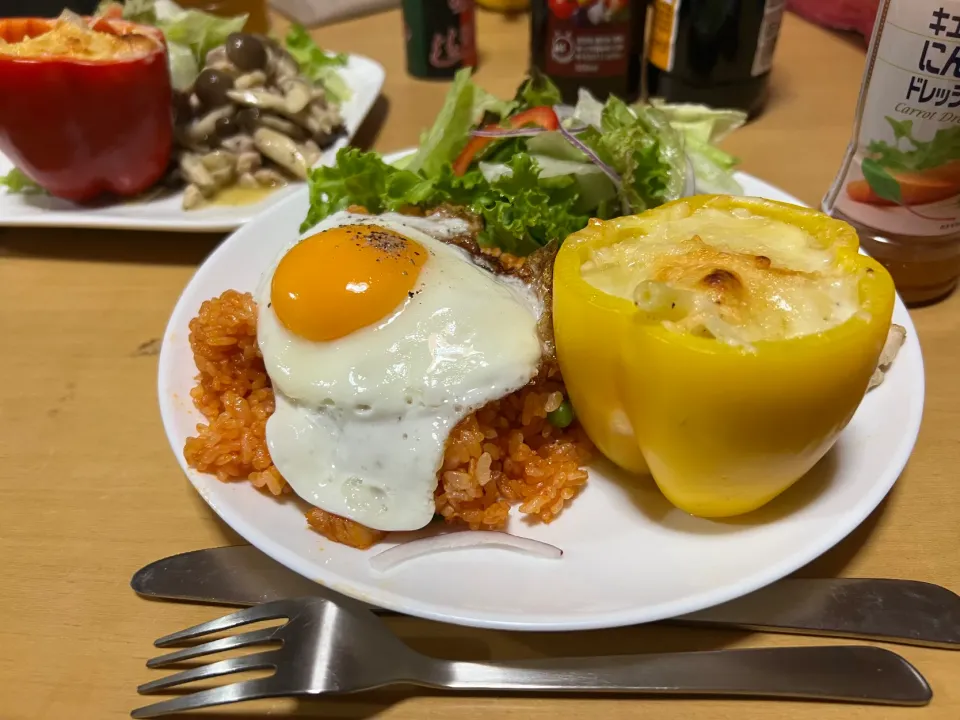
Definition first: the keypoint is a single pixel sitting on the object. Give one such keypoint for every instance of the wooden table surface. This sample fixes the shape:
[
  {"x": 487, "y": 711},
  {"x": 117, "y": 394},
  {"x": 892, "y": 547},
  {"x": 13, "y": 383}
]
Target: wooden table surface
[{"x": 90, "y": 490}]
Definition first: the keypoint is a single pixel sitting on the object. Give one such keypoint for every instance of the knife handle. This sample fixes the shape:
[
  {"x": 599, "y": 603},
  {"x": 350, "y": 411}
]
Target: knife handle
[{"x": 899, "y": 611}]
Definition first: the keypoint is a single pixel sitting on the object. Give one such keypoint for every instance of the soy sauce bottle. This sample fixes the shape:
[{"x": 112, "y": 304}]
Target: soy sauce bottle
[
  {"x": 594, "y": 44},
  {"x": 714, "y": 52}
]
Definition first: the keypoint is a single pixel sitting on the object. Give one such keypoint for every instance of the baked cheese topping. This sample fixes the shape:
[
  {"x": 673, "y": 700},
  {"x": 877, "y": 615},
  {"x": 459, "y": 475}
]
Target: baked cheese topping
[
  {"x": 71, "y": 39},
  {"x": 731, "y": 275}
]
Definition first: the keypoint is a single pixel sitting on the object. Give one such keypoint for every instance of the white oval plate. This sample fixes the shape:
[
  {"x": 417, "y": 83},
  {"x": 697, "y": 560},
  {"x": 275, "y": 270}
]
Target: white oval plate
[
  {"x": 629, "y": 556},
  {"x": 364, "y": 77}
]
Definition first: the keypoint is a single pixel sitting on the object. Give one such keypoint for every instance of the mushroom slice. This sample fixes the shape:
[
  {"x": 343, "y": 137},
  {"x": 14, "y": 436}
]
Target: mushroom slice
[
  {"x": 258, "y": 98},
  {"x": 247, "y": 180},
  {"x": 192, "y": 197},
  {"x": 219, "y": 160},
  {"x": 296, "y": 94},
  {"x": 896, "y": 336},
  {"x": 255, "y": 79},
  {"x": 217, "y": 55},
  {"x": 282, "y": 125},
  {"x": 322, "y": 120},
  {"x": 238, "y": 144},
  {"x": 248, "y": 162},
  {"x": 205, "y": 127},
  {"x": 282, "y": 150},
  {"x": 268, "y": 177},
  {"x": 311, "y": 152},
  {"x": 196, "y": 173},
  {"x": 280, "y": 63}
]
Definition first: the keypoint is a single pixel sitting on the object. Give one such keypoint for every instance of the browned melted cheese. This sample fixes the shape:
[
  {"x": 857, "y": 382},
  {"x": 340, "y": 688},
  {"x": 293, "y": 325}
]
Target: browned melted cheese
[
  {"x": 736, "y": 277},
  {"x": 68, "y": 38}
]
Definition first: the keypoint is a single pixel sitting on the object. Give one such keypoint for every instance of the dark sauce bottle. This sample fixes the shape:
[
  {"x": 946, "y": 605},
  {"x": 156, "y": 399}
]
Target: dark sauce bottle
[
  {"x": 440, "y": 37},
  {"x": 593, "y": 44},
  {"x": 714, "y": 52}
]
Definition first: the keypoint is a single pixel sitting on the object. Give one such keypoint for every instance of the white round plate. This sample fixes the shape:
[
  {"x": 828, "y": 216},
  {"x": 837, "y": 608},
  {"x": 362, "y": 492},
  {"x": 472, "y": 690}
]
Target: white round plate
[{"x": 629, "y": 556}]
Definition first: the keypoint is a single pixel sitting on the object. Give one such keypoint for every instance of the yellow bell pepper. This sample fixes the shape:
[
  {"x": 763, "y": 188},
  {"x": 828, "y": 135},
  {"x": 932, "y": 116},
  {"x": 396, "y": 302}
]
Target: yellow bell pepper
[{"x": 722, "y": 428}]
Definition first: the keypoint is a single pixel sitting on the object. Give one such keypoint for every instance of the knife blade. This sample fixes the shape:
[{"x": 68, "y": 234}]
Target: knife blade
[{"x": 897, "y": 611}]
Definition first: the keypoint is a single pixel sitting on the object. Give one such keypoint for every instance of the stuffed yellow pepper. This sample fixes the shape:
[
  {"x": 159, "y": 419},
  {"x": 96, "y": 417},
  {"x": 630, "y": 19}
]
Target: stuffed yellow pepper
[{"x": 719, "y": 343}]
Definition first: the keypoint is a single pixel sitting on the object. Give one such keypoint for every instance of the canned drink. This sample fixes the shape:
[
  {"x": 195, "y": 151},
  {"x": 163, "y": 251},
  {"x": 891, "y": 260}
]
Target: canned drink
[{"x": 440, "y": 37}]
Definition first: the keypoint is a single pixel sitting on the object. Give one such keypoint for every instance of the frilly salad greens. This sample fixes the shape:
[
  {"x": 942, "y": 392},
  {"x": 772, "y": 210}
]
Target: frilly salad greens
[
  {"x": 191, "y": 34},
  {"x": 534, "y": 171}
]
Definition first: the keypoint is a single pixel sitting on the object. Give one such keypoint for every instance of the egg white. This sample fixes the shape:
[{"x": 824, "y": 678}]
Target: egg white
[{"x": 361, "y": 422}]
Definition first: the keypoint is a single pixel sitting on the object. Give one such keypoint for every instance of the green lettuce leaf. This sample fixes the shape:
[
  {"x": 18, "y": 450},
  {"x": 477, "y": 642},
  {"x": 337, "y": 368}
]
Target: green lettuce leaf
[
  {"x": 531, "y": 190},
  {"x": 521, "y": 211},
  {"x": 16, "y": 182},
  {"x": 642, "y": 147},
  {"x": 190, "y": 34},
  {"x": 466, "y": 105},
  {"x": 537, "y": 90},
  {"x": 702, "y": 127},
  {"x": 318, "y": 65},
  {"x": 184, "y": 67},
  {"x": 199, "y": 31},
  {"x": 594, "y": 188}
]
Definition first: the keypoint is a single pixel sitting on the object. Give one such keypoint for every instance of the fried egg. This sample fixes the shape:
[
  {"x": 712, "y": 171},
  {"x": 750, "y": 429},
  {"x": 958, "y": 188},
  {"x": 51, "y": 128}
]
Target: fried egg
[{"x": 379, "y": 338}]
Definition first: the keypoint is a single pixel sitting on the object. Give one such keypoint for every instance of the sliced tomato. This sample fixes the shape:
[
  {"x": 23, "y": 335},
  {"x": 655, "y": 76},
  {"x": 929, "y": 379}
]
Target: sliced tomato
[
  {"x": 563, "y": 9},
  {"x": 542, "y": 116}
]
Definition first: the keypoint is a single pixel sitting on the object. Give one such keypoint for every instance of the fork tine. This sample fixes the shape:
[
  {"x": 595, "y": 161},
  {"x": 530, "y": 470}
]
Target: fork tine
[
  {"x": 223, "y": 667},
  {"x": 228, "y": 643},
  {"x": 236, "y": 692},
  {"x": 267, "y": 611}
]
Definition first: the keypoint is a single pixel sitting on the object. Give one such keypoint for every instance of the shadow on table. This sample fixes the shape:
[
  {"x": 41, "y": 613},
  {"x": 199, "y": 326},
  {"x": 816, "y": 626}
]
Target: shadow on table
[
  {"x": 98, "y": 245},
  {"x": 368, "y": 132}
]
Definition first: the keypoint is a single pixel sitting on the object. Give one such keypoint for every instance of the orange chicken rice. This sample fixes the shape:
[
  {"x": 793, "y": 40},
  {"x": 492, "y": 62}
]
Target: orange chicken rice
[{"x": 506, "y": 453}]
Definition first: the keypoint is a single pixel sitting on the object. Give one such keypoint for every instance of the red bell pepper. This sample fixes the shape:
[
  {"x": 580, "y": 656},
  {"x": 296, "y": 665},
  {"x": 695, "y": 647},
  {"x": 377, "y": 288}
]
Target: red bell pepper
[
  {"x": 81, "y": 127},
  {"x": 541, "y": 116}
]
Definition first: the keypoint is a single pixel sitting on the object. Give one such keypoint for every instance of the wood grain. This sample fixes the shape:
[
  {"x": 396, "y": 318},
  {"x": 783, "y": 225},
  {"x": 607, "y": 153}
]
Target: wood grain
[{"x": 90, "y": 491}]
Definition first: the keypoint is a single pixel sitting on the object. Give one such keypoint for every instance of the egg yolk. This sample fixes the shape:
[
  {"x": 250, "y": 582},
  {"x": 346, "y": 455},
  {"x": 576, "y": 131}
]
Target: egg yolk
[{"x": 343, "y": 279}]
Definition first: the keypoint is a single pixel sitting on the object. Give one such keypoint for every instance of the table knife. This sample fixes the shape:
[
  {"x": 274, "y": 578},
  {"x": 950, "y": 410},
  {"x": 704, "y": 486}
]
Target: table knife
[{"x": 897, "y": 611}]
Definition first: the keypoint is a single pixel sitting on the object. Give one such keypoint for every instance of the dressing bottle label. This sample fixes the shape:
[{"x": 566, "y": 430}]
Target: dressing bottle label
[
  {"x": 588, "y": 38},
  {"x": 708, "y": 23},
  {"x": 901, "y": 173},
  {"x": 663, "y": 34}
]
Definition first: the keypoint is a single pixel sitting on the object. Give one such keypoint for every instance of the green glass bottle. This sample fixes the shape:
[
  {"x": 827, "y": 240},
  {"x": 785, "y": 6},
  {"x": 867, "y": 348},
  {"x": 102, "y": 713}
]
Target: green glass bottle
[{"x": 440, "y": 37}]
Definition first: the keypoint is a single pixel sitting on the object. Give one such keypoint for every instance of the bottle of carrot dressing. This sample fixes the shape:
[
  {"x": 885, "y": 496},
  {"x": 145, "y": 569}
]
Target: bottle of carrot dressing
[{"x": 899, "y": 183}]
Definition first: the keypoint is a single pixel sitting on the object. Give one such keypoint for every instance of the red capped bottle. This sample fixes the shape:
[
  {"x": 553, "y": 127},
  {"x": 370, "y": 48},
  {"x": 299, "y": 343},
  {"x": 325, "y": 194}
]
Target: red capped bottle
[{"x": 593, "y": 44}]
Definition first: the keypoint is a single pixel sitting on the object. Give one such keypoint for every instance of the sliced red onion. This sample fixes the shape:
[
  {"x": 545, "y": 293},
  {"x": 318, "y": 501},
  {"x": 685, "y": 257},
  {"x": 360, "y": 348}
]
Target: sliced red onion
[
  {"x": 464, "y": 539},
  {"x": 507, "y": 132},
  {"x": 588, "y": 151},
  {"x": 517, "y": 132}
]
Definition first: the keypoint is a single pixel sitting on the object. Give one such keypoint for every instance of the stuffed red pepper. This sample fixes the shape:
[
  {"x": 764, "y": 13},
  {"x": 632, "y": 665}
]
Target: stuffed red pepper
[{"x": 85, "y": 104}]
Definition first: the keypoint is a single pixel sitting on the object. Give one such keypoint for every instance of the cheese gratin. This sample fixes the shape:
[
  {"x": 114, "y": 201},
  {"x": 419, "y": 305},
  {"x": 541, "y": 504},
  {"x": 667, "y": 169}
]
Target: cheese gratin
[
  {"x": 731, "y": 275},
  {"x": 71, "y": 38}
]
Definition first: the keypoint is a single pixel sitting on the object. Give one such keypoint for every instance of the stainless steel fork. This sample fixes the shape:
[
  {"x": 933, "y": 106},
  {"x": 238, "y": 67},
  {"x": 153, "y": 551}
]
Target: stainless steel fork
[{"x": 342, "y": 647}]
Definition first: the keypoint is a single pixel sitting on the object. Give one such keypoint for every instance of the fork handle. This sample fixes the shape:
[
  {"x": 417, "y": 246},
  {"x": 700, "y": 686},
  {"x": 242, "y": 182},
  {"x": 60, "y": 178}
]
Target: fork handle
[{"x": 861, "y": 674}]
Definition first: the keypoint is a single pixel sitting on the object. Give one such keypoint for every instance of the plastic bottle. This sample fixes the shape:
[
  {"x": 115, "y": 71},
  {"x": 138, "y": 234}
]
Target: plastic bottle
[{"x": 899, "y": 183}]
